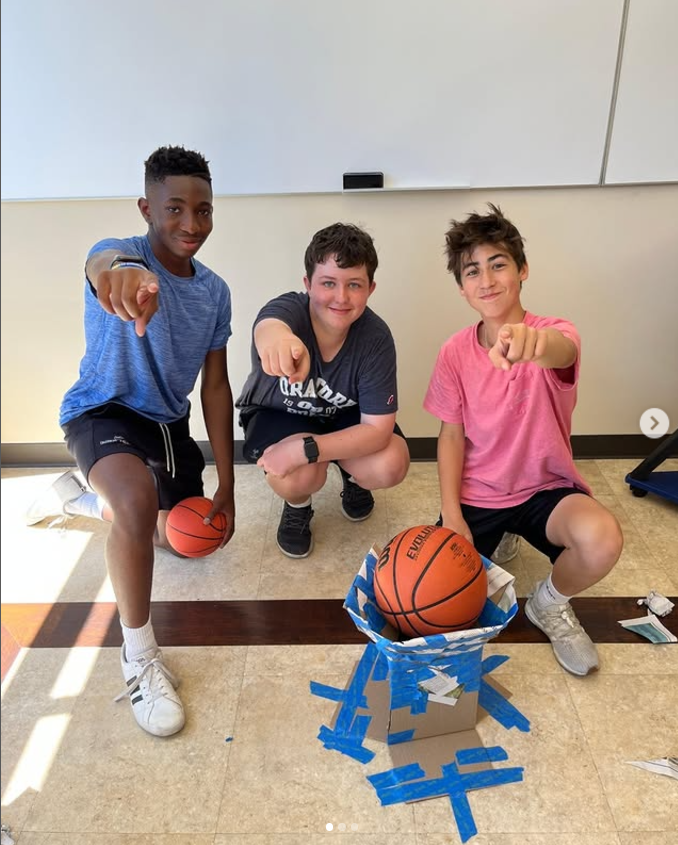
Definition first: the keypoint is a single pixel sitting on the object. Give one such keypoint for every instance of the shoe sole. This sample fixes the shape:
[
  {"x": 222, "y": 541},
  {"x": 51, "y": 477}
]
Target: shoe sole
[
  {"x": 158, "y": 732},
  {"x": 293, "y": 556},
  {"x": 528, "y": 613},
  {"x": 356, "y": 518}
]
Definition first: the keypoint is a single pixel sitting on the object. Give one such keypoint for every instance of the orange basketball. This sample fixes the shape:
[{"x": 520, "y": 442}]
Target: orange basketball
[
  {"x": 430, "y": 580},
  {"x": 187, "y": 533}
]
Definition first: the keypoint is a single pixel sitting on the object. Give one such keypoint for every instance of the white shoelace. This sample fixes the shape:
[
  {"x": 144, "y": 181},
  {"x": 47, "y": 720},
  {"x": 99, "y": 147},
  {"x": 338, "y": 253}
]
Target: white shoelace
[
  {"x": 158, "y": 690},
  {"x": 564, "y": 623}
]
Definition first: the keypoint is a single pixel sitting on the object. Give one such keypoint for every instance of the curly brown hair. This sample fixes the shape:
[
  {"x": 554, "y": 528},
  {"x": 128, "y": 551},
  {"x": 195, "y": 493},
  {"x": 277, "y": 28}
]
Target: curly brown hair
[
  {"x": 464, "y": 236},
  {"x": 350, "y": 246}
]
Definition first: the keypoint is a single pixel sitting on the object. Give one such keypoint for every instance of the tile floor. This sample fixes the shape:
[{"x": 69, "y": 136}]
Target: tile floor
[{"x": 76, "y": 770}]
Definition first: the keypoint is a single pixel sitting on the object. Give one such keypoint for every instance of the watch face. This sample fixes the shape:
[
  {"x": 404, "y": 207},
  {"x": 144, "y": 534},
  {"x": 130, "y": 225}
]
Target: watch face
[{"x": 311, "y": 449}]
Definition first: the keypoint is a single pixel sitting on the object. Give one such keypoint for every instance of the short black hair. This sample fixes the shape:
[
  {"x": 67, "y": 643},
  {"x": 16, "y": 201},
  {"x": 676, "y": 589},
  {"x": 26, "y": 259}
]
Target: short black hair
[
  {"x": 349, "y": 245},
  {"x": 493, "y": 228},
  {"x": 175, "y": 161}
]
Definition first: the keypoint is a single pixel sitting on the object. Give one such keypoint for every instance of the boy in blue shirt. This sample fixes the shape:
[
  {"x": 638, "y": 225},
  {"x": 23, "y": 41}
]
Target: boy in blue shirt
[{"x": 154, "y": 318}]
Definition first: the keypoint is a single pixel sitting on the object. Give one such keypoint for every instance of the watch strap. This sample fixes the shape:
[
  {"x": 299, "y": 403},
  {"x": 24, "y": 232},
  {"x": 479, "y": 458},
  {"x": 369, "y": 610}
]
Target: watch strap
[{"x": 128, "y": 261}]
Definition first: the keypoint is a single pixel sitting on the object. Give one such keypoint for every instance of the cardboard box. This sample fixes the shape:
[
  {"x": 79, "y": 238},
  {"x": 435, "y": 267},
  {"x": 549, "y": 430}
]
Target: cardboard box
[{"x": 427, "y": 686}]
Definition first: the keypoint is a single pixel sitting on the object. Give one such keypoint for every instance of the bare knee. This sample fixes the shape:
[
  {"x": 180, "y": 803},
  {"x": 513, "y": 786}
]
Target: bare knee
[
  {"x": 384, "y": 470},
  {"x": 602, "y": 544},
  {"x": 136, "y": 512},
  {"x": 301, "y": 483},
  {"x": 391, "y": 474}
]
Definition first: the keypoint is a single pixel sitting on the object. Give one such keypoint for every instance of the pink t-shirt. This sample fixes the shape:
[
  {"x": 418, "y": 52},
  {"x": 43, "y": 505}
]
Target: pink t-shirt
[{"x": 517, "y": 424}]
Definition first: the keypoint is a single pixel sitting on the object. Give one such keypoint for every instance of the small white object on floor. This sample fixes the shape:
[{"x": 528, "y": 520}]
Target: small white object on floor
[
  {"x": 657, "y": 603},
  {"x": 5, "y": 838},
  {"x": 649, "y": 627},
  {"x": 666, "y": 766}
]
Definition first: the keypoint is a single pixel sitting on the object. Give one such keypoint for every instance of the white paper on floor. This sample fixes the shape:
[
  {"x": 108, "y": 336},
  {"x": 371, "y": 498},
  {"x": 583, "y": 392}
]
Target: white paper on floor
[
  {"x": 649, "y": 627},
  {"x": 657, "y": 603},
  {"x": 666, "y": 766}
]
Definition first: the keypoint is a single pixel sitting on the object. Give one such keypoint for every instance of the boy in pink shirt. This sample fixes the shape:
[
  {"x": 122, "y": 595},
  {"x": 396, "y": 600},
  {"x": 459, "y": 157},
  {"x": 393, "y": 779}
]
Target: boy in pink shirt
[{"x": 504, "y": 390}]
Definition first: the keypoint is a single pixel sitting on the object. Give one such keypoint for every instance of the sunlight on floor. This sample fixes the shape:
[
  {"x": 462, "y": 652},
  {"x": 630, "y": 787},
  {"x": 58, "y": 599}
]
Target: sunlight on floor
[
  {"x": 35, "y": 762},
  {"x": 74, "y": 674}
]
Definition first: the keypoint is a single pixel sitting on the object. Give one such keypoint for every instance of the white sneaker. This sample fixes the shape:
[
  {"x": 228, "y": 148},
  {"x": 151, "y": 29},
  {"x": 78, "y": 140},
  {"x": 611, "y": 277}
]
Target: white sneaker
[
  {"x": 152, "y": 694},
  {"x": 51, "y": 503},
  {"x": 572, "y": 646},
  {"x": 507, "y": 549}
]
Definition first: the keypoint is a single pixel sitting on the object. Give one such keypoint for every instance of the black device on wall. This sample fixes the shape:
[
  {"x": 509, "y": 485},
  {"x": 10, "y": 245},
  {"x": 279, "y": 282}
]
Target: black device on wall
[{"x": 358, "y": 181}]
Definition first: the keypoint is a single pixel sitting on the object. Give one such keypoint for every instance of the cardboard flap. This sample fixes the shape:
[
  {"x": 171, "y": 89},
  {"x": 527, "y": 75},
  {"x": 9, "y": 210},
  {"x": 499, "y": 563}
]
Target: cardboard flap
[{"x": 435, "y": 752}]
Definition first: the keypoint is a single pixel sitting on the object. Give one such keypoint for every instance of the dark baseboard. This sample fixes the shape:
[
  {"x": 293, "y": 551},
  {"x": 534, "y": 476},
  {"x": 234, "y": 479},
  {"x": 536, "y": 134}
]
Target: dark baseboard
[{"x": 584, "y": 446}]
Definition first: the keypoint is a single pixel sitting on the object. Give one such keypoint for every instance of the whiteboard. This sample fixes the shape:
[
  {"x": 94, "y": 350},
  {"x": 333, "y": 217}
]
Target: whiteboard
[
  {"x": 644, "y": 143},
  {"x": 285, "y": 97}
]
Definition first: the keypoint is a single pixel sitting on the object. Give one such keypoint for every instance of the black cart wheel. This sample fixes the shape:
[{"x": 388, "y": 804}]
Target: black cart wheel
[{"x": 638, "y": 492}]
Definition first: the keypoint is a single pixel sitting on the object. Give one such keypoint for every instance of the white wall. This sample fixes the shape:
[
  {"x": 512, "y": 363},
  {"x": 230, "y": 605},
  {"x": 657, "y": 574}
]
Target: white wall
[{"x": 603, "y": 257}]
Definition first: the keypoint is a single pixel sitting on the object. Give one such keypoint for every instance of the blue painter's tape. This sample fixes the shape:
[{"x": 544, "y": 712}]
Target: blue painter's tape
[
  {"x": 374, "y": 618},
  {"x": 401, "y": 736},
  {"x": 346, "y": 745},
  {"x": 393, "y": 777},
  {"x": 350, "y": 728},
  {"x": 493, "y": 615},
  {"x": 495, "y": 754},
  {"x": 380, "y": 672},
  {"x": 412, "y": 792},
  {"x": 332, "y": 693},
  {"x": 492, "y": 777},
  {"x": 467, "y": 668},
  {"x": 351, "y": 604},
  {"x": 359, "y": 727},
  {"x": 398, "y": 785},
  {"x": 463, "y": 816},
  {"x": 494, "y": 661},
  {"x": 501, "y": 709},
  {"x": 364, "y": 586},
  {"x": 354, "y": 695},
  {"x": 461, "y": 808},
  {"x": 436, "y": 641}
]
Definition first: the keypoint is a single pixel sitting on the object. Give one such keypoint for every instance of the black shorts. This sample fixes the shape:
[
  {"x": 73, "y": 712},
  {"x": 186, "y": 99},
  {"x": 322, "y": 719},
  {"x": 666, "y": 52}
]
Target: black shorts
[
  {"x": 528, "y": 520},
  {"x": 265, "y": 426},
  {"x": 168, "y": 450}
]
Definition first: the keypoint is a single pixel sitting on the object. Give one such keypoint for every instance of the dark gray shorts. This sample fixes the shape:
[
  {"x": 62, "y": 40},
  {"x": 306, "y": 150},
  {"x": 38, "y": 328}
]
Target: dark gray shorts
[
  {"x": 265, "y": 426},
  {"x": 168, "y": 450}
]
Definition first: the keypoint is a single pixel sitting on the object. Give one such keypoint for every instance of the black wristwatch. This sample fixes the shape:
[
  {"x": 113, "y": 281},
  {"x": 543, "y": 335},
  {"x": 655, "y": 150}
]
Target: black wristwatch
[{"x": 311, "y": 450}]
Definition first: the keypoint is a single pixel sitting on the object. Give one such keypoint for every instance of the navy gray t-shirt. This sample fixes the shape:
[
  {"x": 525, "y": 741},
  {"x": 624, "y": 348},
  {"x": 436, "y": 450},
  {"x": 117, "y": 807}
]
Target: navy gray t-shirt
[
  {"x": 362, "y": 374},
  {"x": 152, "y": 374}
]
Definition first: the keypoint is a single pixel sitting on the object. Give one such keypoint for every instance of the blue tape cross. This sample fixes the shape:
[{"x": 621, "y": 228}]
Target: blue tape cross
[{"x": 396, "y": 786}]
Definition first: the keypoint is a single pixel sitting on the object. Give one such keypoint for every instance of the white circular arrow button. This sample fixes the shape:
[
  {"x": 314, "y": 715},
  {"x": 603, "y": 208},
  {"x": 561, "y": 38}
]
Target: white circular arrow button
[{"x": 654, "y": 423}]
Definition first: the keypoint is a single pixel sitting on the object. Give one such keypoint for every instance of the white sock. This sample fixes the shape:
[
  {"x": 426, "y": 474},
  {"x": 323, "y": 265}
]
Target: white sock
[
  {"x": 302, "y": 505},
  {"x": 88, "y": 504},
  {"x": 138, "y": 640},
  {"x": 547, "y": 595}
]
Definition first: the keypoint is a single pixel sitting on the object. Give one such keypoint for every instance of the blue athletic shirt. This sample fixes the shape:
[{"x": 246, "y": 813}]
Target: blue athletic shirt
[{"x": 153, "y": 374}]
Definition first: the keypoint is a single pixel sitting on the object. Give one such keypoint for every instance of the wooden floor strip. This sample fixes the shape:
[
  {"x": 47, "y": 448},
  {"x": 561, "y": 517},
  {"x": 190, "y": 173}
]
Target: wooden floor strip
[{"x": 282, "y": 622}]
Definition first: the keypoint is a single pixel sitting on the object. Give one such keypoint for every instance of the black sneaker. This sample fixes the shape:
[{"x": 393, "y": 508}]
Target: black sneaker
[
  {"x": 294, "y": 532},
  {"x": 356, "y": 503}
]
